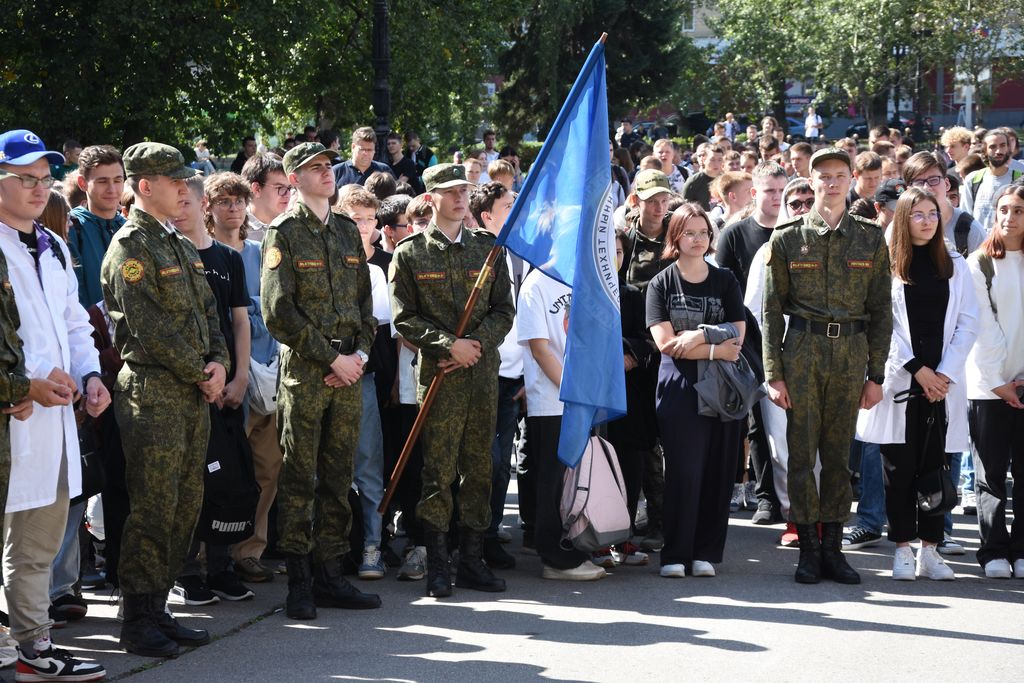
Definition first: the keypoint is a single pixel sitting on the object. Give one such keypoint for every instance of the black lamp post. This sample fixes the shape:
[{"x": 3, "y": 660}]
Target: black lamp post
[{"x": 381, "y": 68}]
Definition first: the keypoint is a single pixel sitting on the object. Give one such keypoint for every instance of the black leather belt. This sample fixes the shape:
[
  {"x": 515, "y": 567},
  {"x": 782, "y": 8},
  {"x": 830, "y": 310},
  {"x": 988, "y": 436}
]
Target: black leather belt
[
  {"x": 830, "y": 330},
  {"x": 343, "y": 346}
]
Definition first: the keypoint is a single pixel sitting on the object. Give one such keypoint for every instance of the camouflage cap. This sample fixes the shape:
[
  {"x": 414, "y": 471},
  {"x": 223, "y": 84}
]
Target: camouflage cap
[
  {"x": 442, "y": 176},
  {"x": 300, "y": 155},
  {"x": 830, "y": 154},
  {"x": 650, "y": 182},
  {"x": 154, "y": 158}
]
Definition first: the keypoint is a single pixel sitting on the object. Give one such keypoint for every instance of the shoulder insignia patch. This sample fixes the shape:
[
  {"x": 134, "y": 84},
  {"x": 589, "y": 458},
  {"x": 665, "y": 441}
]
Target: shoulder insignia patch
[
  {"x": 433, "y": 276},
  {"x": 273, "y": 258},
  {"x": 170, "y": 271},
  {"x": 132, "y": 270},
  {"x": 199, "y": 265}
]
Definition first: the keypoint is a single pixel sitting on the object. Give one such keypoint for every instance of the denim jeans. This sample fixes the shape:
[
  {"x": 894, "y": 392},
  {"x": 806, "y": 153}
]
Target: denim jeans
[
  {"x": 954, "y": 474},
  {"x": 501, "y": 449},
  {"x": 871, "y": 506},
  {"x": 368, "y": 475},
  {"x": 66, "y": 565},
  {"x": 966, "y": 471}
]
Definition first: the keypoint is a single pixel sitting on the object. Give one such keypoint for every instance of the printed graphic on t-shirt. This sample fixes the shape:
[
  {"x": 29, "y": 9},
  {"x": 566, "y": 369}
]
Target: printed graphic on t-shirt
[{"x": 687, "y": 312}]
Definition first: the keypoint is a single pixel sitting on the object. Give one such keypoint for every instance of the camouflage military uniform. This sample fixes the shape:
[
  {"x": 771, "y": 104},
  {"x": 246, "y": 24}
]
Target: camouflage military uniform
[
  {"x": 825, "y": 276},
  {"x": 315, "y": 288},
  {"x": 14, "y": 385},
  {"x": 166, "y": 329},
  {"x": 431, "y": 279}
]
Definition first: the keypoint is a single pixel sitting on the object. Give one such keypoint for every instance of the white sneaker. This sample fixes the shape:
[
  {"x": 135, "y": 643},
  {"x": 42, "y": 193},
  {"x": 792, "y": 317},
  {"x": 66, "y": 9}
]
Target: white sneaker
[
  {"x": 673, "y": 571},
  {"x": 903, "y": 564},
  {"x": 8, "y": 648},
  {"x": 702, "y": 568},
  {"x": 931, "y": 565},
  {"x": 997, "y": 569},
  {"x": 587, "y": 571},
  {"x": 1018, "y": 569},
  {"x": 969, "y": 502}
]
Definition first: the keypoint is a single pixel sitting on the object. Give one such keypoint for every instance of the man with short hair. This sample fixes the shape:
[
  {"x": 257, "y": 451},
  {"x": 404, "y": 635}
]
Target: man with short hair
[
  {"x": 698, "y": 187},
  {"x": 403, "y": 168},
  {"x": 957, "y": 143},
  {"x": 392, "y": 221},
  {"x": 316, "y": 299},
  {"x": 54, "y": 336},
  {"x": 72, "y": 148},
  {"x": 980, "y": 189},
  {"x": 490, "y": 137},
  {"x": 926, "y": 171},
  {"x": 629, "y": 135},
  {"x": 879, "y": 133},
  {"x": 422, "y": 157},
  {"x": 732, "y": 126},
  {"x": 101, "y": 177},
  {"x": 829, "y": 271},
  {"x": 361, "y": 165},
  {"x": 167, "y": 331},
  {"x": 867, "y": 174},
  {"x": 664, "y": 150},
  {"x": 248, "y": 149},
  {"x": 271, "y": 193},
  {"x": 329, "y": 139},
  {"x": 800, "y": 157}
]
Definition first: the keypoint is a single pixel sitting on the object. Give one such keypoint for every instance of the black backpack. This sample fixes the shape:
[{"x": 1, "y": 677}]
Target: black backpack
[
  {"x": 961, "y": 231},
  {"x": 231, "y": 492}
]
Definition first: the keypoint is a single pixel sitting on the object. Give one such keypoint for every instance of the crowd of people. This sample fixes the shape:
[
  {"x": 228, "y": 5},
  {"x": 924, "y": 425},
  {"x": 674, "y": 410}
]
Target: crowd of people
[{"x": 207, "y": 372}]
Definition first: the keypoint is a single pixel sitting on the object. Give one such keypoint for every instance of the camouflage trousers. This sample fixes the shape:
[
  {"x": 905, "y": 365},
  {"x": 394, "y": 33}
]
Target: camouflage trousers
[
  {"x": 165, "y": 429},
  {"x": 319, "y": 431},
  {"x": 5, "y": 463},
  {"x": 824, "y": 378},
  {"x": 456, "y": 442}
]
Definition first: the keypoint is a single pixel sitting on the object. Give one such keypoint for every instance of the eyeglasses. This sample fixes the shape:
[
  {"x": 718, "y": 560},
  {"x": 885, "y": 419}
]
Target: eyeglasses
[
  {"x": 797, "y": 204},
  {"x": 281, "y": 190},
  {"x": 30, "y": 181},
  {"x": 933, "y": 181},
  {"x": 228, "y": 202},
  {"x": 694, "y": 236},
  {"x": 921, "y": 216}
]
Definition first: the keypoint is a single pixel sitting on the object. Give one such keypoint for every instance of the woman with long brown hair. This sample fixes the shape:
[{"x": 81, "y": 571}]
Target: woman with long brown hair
[
  {"x": 698, "y": 476},
  {"x": 922, "y": 416},
  {"x": 995, "y": 380}
]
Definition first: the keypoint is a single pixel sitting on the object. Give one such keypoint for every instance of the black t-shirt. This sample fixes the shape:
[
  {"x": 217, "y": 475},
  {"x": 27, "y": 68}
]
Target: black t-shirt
[
  {"x": 698, "y": 189},
  {"x": 407, "y": 167},
  {"x": 226, "y": 275},
  {"x": 737, "y": 246}
]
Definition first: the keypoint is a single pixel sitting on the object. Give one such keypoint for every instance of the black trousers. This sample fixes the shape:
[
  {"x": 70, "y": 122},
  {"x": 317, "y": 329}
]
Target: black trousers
[
  {"x": 761, "y": 458},
  {"x": 997, "y": 443},
  {"x": 542, "y": 449},
  {"x": 699, "y": 472},
  {"x": 900, "y": 468},
  {"x": 410, "y": 484}
]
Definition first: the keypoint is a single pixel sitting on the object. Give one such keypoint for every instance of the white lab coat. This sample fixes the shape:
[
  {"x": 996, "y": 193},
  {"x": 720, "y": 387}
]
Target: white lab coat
[
  {"x": 56, "y": 332},
  {"x": 887, "y": 421}
]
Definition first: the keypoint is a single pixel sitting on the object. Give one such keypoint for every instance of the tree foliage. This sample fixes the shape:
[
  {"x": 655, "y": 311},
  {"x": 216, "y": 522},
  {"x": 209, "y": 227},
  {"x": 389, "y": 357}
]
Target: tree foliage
[{"x": 647, "y": 56}]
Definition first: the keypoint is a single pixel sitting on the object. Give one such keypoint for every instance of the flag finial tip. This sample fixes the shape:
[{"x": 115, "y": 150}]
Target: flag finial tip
[{"x": 604, "y": 37}]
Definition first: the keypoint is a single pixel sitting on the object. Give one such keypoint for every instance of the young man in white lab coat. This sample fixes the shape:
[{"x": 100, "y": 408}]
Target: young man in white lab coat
[{"x": 45, "y": 459}]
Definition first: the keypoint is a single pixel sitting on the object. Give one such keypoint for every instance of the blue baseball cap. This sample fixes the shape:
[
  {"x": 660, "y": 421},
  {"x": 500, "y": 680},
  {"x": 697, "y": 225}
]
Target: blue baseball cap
[{"x": 22, "y": 147}]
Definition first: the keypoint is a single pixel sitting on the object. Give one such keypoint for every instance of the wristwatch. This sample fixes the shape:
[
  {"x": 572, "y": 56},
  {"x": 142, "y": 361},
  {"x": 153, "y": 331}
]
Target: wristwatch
[
  {"x": 877, "y": 379},
  {"x": 362, "y": 356}
]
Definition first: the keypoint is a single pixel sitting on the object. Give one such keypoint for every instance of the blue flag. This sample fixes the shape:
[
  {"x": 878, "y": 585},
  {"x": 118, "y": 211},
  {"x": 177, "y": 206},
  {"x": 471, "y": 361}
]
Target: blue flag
[{"x": 562, "y": 224}]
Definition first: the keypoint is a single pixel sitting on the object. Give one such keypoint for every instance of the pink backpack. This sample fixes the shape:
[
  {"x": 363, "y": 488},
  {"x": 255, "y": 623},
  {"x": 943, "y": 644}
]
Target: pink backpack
[{"x": 594, "y": 512}]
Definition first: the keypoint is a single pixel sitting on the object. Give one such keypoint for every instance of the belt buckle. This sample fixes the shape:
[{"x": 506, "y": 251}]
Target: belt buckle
[
  {"x": 828, "y": 330},
  {"x": 335, "y": 344}
]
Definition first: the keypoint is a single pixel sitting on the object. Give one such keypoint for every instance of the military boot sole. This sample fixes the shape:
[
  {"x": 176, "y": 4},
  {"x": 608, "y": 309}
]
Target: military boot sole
[
  {"x": 497, "y": 586},
  {"x": 170, "y": 649}
]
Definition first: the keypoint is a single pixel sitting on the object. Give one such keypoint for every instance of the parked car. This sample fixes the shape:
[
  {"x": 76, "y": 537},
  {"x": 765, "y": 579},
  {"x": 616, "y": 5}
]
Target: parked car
[{"x": 861, "y": 129}]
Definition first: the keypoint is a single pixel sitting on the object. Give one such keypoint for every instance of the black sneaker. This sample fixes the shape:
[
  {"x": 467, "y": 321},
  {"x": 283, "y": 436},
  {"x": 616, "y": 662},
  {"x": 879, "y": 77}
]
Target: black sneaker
[
  {"x": 56, "y": 665},
  {"x": 71, "y": 607},
  {"x": 766, "y": 513},
  {"x": 59, "y": 620},
  {"x": 193, "y": 591},
  {"x": 859, "y": 537},
  {"x": 227, "y": 585}
]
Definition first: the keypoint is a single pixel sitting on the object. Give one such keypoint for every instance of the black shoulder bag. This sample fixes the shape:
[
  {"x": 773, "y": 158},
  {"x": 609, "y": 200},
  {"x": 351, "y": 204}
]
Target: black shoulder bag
[{"x": 936, "y": 494}]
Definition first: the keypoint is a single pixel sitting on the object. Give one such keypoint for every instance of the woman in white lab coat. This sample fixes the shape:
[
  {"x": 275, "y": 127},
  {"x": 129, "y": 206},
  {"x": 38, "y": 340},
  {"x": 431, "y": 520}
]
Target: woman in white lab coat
[{"x": 935, "y": 323}]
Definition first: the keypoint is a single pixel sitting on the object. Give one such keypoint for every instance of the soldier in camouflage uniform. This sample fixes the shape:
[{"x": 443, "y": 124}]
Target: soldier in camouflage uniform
[
  {"x": 315, "y": 294},
  {"x": 175, "y": 361},
  {"x": 431, "y": 276},
  {"x": 829, "y": 272}
]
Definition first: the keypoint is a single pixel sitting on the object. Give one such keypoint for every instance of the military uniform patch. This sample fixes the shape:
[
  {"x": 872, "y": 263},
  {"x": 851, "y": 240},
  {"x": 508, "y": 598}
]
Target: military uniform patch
[
  {"x": 805, "y": 265},
  {"x": 200, "y": 266},
  {"x": 273, "y": 258},
  {"x": 392, "y": 269},
  {"x": 7, "y": 285},
  {"x": 351, "y": 261},
  {"x": 309, "y": 264},
  {"x": 132, "y": 270},
  {"x": 860, "y": 264},
  {"x": 434, "y": 276},
  {"x": 170, "y": 271}
]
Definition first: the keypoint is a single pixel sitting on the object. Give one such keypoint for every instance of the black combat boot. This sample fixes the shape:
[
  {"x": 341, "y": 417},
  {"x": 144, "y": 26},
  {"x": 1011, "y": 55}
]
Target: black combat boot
[
  {"x": 439, "y": 573},
  {"x": 169, "y": 626},
  {"x": 472, "y": 572},
  {"x": 139, "y": 632},
  {"x": 809, "y": 568},
  {"x": 331, "y": 589},
  {"x": 833, "y": 564},
  {"x": 299, "y": 604},
  {"x": 495, "y": 555}
]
